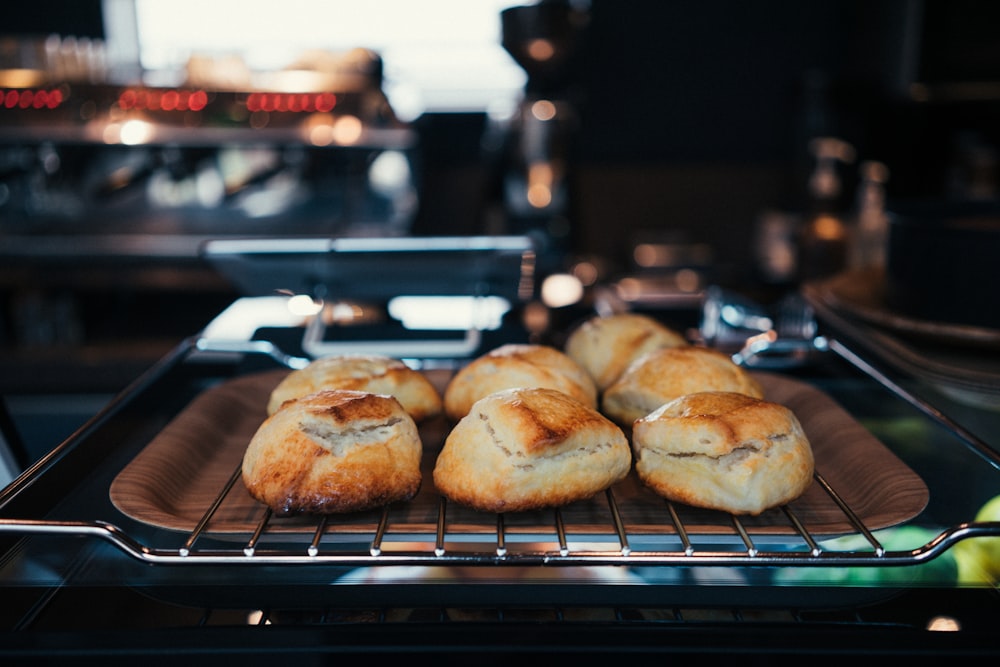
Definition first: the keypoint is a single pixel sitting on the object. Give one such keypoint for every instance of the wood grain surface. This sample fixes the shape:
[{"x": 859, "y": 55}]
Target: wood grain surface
[{"x": 179, "y": 474}]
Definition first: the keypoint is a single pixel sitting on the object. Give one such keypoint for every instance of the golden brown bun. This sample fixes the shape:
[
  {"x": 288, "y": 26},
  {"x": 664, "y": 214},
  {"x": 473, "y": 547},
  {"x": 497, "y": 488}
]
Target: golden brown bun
[
  {"x": 667, "y": 373},
  {"x": 334, "y": 451},
  {"x": 522, "y": 449},
  {"x": 724, "y": 451},
  {"x": 371, "y": 373},
  {"x": 605, "y": 346},
  {"x": 517, "y": 365}
]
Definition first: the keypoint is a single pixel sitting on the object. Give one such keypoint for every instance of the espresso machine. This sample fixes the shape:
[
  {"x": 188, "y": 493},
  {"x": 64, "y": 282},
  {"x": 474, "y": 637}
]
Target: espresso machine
[{"x": 111, "y": 183}]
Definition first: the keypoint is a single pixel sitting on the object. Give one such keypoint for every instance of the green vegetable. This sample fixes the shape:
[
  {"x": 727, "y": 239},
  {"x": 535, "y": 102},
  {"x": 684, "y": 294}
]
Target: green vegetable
[{"x": 979, "y": 557}]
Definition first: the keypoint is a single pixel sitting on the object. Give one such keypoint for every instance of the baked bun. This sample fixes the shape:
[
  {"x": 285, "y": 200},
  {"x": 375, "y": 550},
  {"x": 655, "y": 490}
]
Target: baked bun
[
  {"x": 334, "y": 451},
  {"x": 371, "y": 373},
  {"x": 605, "y": 346},
  {"x": 528, "y": 448},
  {"x": 517, "y": 365},
  {"x": 666, "y": 373},
  {"x": 725, "y": 451}
]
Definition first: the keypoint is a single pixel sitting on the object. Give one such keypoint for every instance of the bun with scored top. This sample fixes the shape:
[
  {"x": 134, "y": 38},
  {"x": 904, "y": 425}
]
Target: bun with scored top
[
  {"x": 517, "y": 365},
  {"x": 371, "y": 373},
  {"x": 528, "y": 448},
  {"x": 605, "y": 346},
  {"x": 724, "y": 451},
  {"x": 334, "y": 451},
  {"x": 667, "y": 373}
]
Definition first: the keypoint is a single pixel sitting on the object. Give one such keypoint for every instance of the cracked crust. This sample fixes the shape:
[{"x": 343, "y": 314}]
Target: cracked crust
[
  {"x": 725, "y": 451},
  {"x": 332, "y": 452},
  {"x": 371, "y": 373},
  {"x": 605, "y": 346},
  {"x": 527, "y": 448},
  {"x": 668, "y": 373},
  {"x": 517, "y": 365}
]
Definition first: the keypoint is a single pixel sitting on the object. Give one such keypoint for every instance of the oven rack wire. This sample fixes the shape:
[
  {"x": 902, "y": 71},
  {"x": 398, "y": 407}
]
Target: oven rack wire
[{"x": 676, "y": 544}]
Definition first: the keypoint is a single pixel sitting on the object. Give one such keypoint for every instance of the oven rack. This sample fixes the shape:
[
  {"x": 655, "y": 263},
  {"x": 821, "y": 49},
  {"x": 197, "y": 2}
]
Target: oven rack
[{"x": 676, "y": 543}]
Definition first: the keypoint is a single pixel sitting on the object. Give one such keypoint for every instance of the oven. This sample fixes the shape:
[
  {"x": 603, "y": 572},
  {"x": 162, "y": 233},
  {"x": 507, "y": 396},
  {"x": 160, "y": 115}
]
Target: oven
[
  {"x": 136, "y": 540},
  {"x": 178, "y": 244}
]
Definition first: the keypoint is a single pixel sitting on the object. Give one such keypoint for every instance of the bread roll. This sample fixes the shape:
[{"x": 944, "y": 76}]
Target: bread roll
[
  {"x": 667, "y": 373},
  {"x": 522, "y": 449},
  {"x": 332, "y": 452},
  {"x": 605, "y": 346},
  {"x": 725, "y": 451},
  {"x": 517, "y": 365},
  {"x": 371, "y": 373}
]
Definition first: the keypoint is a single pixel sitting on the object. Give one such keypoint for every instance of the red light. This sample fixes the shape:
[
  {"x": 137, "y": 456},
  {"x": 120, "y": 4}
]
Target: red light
[
  {"x": 127, "y": 99},
  {"x": 293, "y": 102},
  {"x": 326, "y": 102},
  {"x": 197, "y": 100},
  {"x": 170, "y": 100},
  {"x": 31, "y": 99}
]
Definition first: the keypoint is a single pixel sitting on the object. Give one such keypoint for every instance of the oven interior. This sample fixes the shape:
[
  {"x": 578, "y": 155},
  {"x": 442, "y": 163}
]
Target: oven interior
[{"x": 133, "y": 535}]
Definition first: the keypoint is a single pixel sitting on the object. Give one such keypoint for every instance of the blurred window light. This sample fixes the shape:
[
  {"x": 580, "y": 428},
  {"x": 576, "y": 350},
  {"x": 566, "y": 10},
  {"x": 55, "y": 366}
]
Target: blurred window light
[
  {"x": 438, "y": 55},
  {"x": 455, "y": 313},
  {"x": 303, "y": 305},
  {"x": 134, "y": 132}
]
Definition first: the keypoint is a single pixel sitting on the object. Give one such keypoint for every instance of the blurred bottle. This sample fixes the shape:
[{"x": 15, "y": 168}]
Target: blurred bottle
[
  {"x": 871, "y": 227},
  {"x": 823, "y": 236}
]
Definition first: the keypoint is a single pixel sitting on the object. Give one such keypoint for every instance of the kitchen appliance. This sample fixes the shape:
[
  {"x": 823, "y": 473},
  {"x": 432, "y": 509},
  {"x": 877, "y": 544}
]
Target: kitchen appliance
[
  {"x": 109, "y": 188},
  {"x": 207, "y": 155},
  {"x": 134, "y": 538}
]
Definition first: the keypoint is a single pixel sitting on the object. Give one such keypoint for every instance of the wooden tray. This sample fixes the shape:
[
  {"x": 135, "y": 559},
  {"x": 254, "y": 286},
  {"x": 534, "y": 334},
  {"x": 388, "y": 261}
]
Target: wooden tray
[{"x": 178, "y": 475}]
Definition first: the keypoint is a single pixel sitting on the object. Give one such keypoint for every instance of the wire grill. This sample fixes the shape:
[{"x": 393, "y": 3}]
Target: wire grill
[{"x": 677, "y": 542}]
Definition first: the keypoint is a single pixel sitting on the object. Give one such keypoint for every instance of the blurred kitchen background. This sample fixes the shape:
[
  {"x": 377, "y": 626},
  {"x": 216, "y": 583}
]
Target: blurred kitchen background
[{"x": 654, "y": 147}]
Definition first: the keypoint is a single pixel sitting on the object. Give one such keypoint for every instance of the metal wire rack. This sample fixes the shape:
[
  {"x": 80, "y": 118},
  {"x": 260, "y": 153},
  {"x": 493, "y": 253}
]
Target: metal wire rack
[
  {"x": 676, "y": 544},
  {"x": 733, "y": 542}
]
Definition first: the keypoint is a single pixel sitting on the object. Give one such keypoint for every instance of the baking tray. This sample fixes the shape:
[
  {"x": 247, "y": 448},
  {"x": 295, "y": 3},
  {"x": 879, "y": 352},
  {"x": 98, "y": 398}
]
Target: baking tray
[{"x": 173, "y": 481}]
